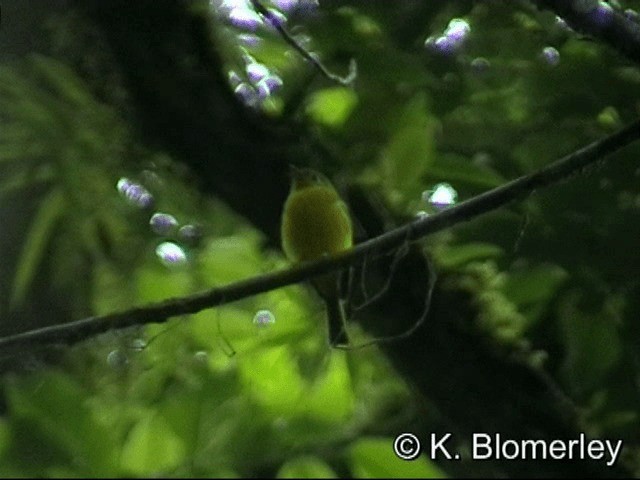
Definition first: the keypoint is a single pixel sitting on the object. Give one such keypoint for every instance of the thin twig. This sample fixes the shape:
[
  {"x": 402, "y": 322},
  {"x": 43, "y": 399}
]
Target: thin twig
[
  {"x": 433, "y": 276},
  {"x": 415, "y": 230},
  {"x": 369, "y": 300},
  {"x": 277, "y": 24}
]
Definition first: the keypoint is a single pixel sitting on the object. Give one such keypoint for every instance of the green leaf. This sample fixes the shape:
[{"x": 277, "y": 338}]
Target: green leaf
[
  {"x": 532, "y": 289},
  {"x": 375, "y": 458},
  {"x": 20, "y": 148},
  {"x": 152, "y": 448},
  {"x": 332, "y": 106},
  {"x": 306, "y": 467},
  {"x": 155, "y": 282},
  {"x": 24, "y": 178},
  {"x": 182, "y": 411},
  {"x": 592, "y": 341},
  {"x": 452, "y": 256},
  {"x": 5, "y": 437},
  {"x": 274, "y": 380},
  {"x": 227, "y": 259},
  {"x": 457, "y": 169},
  {"x": 51, "y": 411},
  {"x": 66, "y": 84},
  {"x": 37, "y": 240},
  {"x": 410, "y": 151},
  {"x": 331, "y": 398}
]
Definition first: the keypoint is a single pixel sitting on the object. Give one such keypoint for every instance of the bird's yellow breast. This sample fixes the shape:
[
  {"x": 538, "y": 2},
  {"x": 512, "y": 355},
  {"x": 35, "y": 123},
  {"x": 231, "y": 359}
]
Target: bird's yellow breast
[{"x": 315, "y": 222}]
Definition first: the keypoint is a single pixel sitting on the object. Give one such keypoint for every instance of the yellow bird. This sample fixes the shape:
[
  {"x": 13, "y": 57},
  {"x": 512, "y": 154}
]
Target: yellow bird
[{"x": 316, "y": 223}]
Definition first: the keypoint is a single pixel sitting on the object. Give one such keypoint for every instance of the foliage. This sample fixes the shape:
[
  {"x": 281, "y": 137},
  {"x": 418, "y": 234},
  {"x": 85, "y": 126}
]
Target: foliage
[
  {"x": 51, "y": 126},
  {"x": 552, "y": 280}
]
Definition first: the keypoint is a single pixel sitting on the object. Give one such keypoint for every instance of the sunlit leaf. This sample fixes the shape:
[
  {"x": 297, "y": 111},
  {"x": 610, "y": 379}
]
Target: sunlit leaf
[
  {"x": 152, "y": 448},
  {"x": 273, "y": 378},
  {"x": 375, "y": 458},
  {"x": 226, "y": 259},
  {"x": 332, "y": 106},
  {"x": 306, "y": 467},
  {"x": 331, "y": 397}
]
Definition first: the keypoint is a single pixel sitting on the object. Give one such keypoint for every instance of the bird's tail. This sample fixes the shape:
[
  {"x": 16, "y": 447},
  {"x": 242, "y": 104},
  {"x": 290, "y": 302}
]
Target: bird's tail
[
  {"x": 328, "y": 289},
  {"x": 336, "y": 322}
]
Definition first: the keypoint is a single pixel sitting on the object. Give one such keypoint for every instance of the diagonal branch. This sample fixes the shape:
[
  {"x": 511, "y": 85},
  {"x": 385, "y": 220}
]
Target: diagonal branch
[
  {"x": 415, "y": 230},
  {"x": 599, "y": 20}
]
